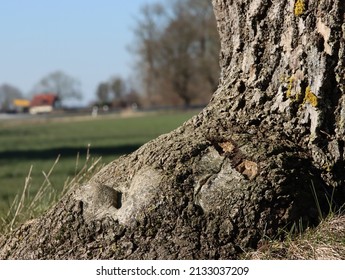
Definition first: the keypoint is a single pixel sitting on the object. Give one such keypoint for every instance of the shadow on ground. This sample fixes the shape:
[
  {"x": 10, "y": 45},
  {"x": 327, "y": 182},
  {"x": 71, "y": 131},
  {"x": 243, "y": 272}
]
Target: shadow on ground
[{"x": 67, "y": 152}]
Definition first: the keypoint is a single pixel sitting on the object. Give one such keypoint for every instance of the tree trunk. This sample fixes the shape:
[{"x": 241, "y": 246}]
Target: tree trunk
[{"x": 252, "y": 162}]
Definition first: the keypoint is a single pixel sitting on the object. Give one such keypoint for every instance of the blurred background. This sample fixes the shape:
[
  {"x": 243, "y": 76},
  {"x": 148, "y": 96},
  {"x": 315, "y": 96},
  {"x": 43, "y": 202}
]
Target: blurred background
[{"x": 83, "y": 82}]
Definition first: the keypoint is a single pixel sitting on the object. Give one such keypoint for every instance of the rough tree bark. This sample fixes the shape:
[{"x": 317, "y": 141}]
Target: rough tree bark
[{"x": 250, "y": 163}]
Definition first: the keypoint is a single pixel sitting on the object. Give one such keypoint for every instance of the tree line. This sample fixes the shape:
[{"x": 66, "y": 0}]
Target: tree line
[
  {"x": 176, "y": 49},
  {"x": 57, "y": 82}
]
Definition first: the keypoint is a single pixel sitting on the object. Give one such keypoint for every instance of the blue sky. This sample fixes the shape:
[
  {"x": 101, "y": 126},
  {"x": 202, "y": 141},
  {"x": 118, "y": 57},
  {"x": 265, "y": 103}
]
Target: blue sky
[{"x": 86, "y": 39}]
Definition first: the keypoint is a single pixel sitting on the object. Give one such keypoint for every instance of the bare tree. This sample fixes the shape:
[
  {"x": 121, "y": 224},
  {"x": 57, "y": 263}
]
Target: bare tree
[
  {"x": 7, "y": 94},
  {"x": 59, "y": 83},
  {"x": 207, "y": 42},
  {"x": 102, "y": 92},
  {"x": 115, "y": 92},
  {"x": 179, "y": 51},
  {"x": 148, "y": 31},
  {"x": 177, "y": 59},
  {"x": 190, "y": 49},
  {"x": 118, "y": 87},
  {"x": 267, "y": 152}
]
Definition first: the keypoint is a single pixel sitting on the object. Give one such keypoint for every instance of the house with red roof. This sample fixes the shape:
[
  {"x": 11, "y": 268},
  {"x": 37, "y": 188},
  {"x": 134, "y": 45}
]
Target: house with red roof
[{"x": 43, "y": 103}]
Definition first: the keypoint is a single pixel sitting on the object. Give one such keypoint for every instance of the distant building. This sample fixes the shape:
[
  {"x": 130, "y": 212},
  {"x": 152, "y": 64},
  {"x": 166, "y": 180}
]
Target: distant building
[
  {"x": 20, "y": 105},
  {"x": 44, "y": 103}
]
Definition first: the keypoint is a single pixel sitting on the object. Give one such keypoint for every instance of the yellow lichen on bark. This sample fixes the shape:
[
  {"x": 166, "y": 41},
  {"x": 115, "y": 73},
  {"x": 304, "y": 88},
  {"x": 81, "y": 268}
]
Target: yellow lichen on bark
[
  {"x": 290, "y": 86},
  {"x": 299, "y": 8},
  {"x": 310, "y": 97},
  {"x": 291, "y": 93}
]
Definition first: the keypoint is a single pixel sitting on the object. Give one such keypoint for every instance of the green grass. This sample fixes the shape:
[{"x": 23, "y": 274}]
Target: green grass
[{"x": 38, "y": 144}]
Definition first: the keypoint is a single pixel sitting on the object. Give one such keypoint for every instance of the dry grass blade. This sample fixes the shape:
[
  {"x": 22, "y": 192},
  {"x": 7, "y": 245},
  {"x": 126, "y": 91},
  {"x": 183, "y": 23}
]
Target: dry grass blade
[
  {"x": 76, "y": 164},
  {"x": 22, "y": 199},
  {"x": 43, "y": 188},
  {"x": 84, "y": 173},
  {"x": 46, "y": 196}
]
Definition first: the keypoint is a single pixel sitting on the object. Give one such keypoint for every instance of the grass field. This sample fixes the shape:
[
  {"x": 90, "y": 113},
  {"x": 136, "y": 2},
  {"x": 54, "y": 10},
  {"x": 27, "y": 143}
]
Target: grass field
[{"x": 38, "y": 143}]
